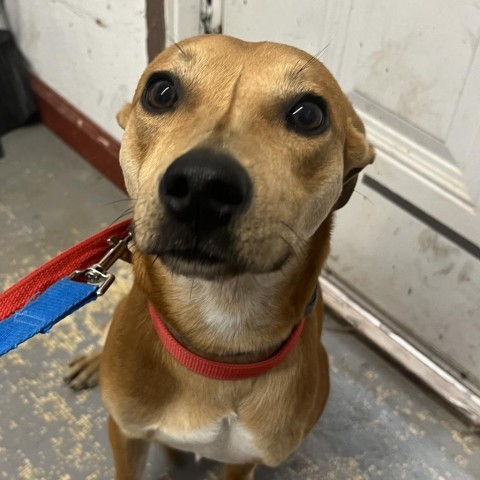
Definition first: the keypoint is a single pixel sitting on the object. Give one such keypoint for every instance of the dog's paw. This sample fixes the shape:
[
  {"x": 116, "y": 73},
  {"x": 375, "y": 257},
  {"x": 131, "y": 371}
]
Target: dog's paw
[{"x": 83, "y": 371}]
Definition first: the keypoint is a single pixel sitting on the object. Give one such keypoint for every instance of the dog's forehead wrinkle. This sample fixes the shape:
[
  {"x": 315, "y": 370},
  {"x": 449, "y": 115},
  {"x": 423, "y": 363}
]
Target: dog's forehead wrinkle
[{"x": 233, "y": 95}]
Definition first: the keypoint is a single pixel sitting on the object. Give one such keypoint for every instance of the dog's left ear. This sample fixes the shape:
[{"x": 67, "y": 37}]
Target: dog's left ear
[
  {"x": 123, "y": 114},
  {"x": 357, "y": 154}
]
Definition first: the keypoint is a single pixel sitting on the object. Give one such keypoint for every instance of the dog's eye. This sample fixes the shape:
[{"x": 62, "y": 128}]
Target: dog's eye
[
  {"x": 160, "y": 94},
  {"x": 308, "y": 116}
]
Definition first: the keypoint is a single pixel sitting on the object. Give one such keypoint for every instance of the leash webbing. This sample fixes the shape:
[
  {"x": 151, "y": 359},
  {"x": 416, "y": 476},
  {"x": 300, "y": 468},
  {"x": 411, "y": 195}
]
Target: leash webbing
[
  {"x": 39, "y": 316},
  {"x": 50, "y": 293}
]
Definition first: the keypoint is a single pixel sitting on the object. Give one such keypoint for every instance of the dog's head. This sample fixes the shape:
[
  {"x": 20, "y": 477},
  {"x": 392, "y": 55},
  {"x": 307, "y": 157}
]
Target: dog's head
[{"x": 235, "y": 153}]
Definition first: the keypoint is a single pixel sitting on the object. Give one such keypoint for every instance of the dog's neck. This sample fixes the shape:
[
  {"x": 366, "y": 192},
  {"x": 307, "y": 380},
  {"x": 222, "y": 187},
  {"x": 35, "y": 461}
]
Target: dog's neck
[
  {"x": 231, "y": 307},
  {"x": 243, "y": 314},
  {"x": 229, "y": 312}
]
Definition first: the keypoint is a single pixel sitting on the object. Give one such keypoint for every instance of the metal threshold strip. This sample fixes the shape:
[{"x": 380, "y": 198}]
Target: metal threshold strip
[{"x": 345, "y": 304}]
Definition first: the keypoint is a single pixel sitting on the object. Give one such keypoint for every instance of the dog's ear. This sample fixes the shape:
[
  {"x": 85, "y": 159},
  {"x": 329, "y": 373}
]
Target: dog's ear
[
  {"x": 123, "y": 114},
  {"x": 357, "y": 154}
]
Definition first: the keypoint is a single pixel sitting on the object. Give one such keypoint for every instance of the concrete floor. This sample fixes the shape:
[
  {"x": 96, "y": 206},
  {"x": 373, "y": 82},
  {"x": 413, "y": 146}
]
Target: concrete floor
[{"x": 378, "y": 424}]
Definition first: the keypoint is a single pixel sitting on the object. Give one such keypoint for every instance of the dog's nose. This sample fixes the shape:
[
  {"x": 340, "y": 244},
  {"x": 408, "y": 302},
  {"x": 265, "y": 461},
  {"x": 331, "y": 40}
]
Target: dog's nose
[{"x": 205, "y": 188}]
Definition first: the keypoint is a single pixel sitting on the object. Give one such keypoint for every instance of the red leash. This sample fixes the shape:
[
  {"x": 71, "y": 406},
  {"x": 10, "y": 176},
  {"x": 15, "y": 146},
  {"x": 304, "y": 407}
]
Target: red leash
[{"x": 79, "y": 257}]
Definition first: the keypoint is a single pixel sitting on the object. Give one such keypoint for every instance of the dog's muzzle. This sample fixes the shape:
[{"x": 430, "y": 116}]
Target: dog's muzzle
[{"x": 202, "y": 193}]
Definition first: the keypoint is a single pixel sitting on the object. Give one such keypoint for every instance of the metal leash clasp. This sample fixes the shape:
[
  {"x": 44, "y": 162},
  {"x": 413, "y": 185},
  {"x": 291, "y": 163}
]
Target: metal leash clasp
[{"x": 98, "y": 273}]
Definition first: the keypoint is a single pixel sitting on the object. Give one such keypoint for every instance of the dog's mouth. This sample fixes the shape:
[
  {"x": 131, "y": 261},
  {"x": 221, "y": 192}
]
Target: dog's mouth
[
  {"x": 199, "y": 263},
  {"x": 194, "y": 255},
  {"x": 216, "y": 257}
]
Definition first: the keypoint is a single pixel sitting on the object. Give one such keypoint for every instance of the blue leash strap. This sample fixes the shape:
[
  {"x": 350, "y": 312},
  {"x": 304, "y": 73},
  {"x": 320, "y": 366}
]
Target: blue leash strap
[
  {"x": 46, "y": 296},
  {"x": 41, "y": 314}
]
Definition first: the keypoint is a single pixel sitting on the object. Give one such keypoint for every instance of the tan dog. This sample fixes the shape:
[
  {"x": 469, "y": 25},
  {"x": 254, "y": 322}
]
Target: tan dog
[{"x": 236, "y": 154}]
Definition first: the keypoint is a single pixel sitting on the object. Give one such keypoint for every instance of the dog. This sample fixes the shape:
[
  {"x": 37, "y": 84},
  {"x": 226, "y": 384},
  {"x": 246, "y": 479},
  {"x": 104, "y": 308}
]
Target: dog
[{"x": 236, "y": 156}]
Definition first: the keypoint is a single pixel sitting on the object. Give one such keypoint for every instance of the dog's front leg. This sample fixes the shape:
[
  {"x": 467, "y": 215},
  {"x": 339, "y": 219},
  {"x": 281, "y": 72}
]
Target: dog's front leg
[
  {"x": 130, "y": 454},
  {"x": 238, "y": 472}
]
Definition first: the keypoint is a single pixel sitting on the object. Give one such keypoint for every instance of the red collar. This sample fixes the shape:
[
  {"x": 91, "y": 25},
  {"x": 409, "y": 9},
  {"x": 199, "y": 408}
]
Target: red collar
[{"x": 220, "y": 370}]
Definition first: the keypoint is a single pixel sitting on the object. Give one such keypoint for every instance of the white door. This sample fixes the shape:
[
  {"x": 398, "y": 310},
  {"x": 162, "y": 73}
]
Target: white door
[{"x": 412, "y": 69}]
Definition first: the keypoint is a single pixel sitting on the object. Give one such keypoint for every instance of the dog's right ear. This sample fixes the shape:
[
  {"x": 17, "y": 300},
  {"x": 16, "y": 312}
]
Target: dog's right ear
[
  {"x": 124, "y": 114},
  {"x": 358, "y": 153}
]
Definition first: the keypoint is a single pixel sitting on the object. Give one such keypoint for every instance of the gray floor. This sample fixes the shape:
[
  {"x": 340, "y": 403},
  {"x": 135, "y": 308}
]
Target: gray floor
[{"x": 379, "y": 424}]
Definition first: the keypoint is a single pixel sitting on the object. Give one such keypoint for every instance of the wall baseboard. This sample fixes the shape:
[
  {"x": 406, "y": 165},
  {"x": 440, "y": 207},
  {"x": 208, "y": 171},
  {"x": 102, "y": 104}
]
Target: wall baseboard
[{"x": 78, "y": 131}]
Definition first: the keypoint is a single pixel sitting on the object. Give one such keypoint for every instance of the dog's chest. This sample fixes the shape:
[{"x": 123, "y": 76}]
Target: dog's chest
[{"x": 226, "y": 440}]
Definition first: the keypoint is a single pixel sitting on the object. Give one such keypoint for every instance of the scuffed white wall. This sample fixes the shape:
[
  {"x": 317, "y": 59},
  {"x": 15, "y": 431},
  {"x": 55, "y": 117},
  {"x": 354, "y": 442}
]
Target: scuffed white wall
[{"x": 91, "y": 52}]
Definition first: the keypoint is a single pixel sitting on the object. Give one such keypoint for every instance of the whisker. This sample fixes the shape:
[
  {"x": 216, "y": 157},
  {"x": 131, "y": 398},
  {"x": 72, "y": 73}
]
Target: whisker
[
  {"x": 125, "y": 213},
  {"x": 181, "y": 50},
  {"x": 178, "y": 46},
  {"x": 365, "y": 197},
  {"x": 322, "y": 51},
  {"x": 317, "y": 56},
  {"x": 119, "y": 201}
]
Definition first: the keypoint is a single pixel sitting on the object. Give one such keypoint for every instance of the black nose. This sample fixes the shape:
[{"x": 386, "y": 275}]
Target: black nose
[{"x": 205, "y": 188}]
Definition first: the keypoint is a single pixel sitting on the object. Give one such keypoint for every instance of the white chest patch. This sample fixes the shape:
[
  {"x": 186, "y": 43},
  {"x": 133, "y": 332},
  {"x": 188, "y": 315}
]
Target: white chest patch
[
  {"x": 234, "y": 306},
  {"x": 224, "y": 441}
]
